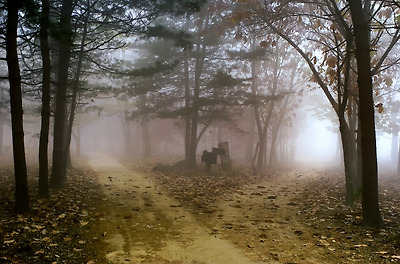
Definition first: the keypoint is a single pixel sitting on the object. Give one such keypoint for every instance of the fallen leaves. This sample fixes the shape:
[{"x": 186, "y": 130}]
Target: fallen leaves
[
  {"x": 317, "y": 204},
  {"x": 7, "y": 242},
  {"x": 322, "y": 206},
  {"x": 201, "y": 191},
  {"x": 56, "y": 230}
]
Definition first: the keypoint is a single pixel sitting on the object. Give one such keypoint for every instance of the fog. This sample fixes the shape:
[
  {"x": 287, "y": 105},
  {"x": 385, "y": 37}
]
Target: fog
[
  {"x": 316, "y": 142},
  {"x": 199, "y": 131},
  {"x": 316, "y": 145}
]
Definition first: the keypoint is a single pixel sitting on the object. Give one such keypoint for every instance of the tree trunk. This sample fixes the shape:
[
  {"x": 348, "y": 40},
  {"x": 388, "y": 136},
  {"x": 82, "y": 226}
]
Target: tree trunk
[
  {"x": 58, "y": 174},
  {"x": 195, "y": 104},
  {"x": 276, "y": 74},
  {"x": 394, "y": 147},
  {"x": 348, "y": 159},
  {"x": 146, "y": 138},
  {"x": 262, "y": 158},
  {"x": 339, "y": 150},
  {"x": 1, "y": 132},
  {"x": 262, "y": 151},
  {"x": 278, "y": 122},
  {"x": 77, "y": 137},
  {"x": 75, "y": 89},
  {"x": 253, "y": 161},
  {"x": 45, "y": 118},
  {"x": 187, "y": 105},
  {"x": 21, "y": 179},
  {"x": 199, "y": 64},
  {"x": 398, "y": 161},
  {"x": 250, "y": 140},
  {"x": 283, "y": 150},
  {"x": 273, "y": 148},
  {"x": 358, "y": 162},
  {"x": 126, "y": 130},
  {"x": 257, "y": 116},
  {"x": 275, "y": 131},
  {"x": 355, "y": 143},
  {"x": 193, "y": 136},
  {"x": 370, "y": 201}
]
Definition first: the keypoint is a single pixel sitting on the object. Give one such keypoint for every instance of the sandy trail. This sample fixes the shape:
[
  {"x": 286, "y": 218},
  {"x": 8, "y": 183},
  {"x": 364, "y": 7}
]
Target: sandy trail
[
  {"x": 144, "y": 225},
  {"x": 264, "y": 215}
]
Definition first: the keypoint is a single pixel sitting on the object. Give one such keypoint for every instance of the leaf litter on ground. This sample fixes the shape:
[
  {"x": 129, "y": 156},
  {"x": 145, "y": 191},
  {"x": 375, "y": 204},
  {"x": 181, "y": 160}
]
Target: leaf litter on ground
[
  {"x": 56, "y": 230},
  {"x": 323, "y": 220},
  {"x": 63, "y": 228}
]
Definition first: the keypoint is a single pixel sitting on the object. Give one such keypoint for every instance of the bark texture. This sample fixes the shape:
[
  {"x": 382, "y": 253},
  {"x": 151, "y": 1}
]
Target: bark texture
[
  {"x": 370, "y": 201},
  {"x": 21, "y": 180}
]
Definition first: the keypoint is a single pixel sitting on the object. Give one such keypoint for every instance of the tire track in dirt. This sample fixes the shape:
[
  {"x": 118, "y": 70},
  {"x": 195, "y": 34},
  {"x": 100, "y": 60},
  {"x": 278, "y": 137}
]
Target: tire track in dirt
[
  {"x": 263, "y": 217},
  {"x": 144, "y": 225}
]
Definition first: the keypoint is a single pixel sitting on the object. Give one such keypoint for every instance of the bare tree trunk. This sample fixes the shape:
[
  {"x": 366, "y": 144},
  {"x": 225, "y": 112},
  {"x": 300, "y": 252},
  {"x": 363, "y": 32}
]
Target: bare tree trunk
[
  {"x": 278, "y": 123},
  {"x": 1, "y": 131},
  {"x": 339, "y": 150},
  {"x": 58, "y": 174},
  {"x": 250, "y": 140},
  {"x": 262, "y": 151},
  {"x": 283, "y": 150},
  {"x": 370, "y": 194},
  {"x": 126, "y": 131},
  {"x": 398, "y": 161},
  {"x": 199, "y": 64},
  {"x": 75, "y": 89},
  {"x": 195, "y": 104},
  {"x": 394, "y": 147},
  {"x": 146, "y": 138},
  {"x": 45, "y": 119},
  {"x": 348, "y": 159},
  {"x": 273, "y": 148},
  {"x": 354, "y": 138},
  {"x": 253, "y": 161},
  {"x": 262, "y": 135},
  {"x": 267, "y": 120},
  {"x": 187, "y": 105},
  {"x": 21, "y": 179},
  {"x": 77, "y": 137}
]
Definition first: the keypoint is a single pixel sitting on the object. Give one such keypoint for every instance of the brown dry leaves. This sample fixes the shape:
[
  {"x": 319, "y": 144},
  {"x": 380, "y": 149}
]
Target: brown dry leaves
[
  {"x": 56, "y": 230},
  {"x": 200, "y": 191},
  {"x": 339, "y": 228},
  {"x": 317, "y": 204}
]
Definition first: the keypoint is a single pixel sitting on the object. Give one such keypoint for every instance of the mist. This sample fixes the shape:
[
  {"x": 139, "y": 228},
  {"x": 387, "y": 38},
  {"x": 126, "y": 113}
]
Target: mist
[
  {"x": 317, "y": 145},
  {"x": 199, "y": 131},
  {"x": 316, "y": 141}
]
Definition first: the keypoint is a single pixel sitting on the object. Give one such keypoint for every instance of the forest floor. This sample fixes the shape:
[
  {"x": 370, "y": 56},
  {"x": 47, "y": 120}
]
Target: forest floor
[{"x": 138, "y": 213}]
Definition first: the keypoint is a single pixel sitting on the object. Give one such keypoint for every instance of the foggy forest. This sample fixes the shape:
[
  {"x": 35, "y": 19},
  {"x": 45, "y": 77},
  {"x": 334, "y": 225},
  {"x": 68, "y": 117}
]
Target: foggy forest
[{"x": 199, "y": 131}]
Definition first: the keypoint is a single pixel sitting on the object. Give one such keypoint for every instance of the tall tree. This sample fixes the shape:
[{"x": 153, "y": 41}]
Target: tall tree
[
  {"x": 4, "y": 106},
  {"x": 199, "y": 64},
  {"x": 361, "y": 16},
  {"x": 206, "y": 45},
  {"x": 58, "y": 174},
  {"x": 325, "y": 22},
  {"x": 76, "y": 83},
  {"x": 21, "y": 179},
  {"x": 101, "y": 30},
  {"x": 45, "y": 120}
]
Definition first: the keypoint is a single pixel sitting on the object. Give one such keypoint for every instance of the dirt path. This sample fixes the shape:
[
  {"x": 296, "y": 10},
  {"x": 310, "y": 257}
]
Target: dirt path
[
  {"x": 263, "y": 216},
  {"x": 144, "y": 225}
]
